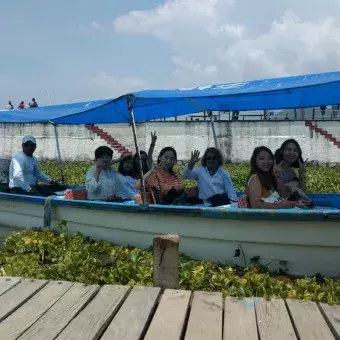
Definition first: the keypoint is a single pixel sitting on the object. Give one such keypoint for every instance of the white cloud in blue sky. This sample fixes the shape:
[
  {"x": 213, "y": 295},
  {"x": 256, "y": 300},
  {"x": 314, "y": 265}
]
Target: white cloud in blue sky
[{"x": 83, "y": 49}]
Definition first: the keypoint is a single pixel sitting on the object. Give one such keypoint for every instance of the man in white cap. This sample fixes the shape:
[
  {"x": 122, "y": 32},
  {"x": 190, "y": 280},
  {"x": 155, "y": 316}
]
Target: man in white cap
[{"x": 24, "y": 171}]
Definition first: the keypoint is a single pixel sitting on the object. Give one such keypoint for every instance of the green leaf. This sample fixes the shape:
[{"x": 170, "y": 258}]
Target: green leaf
[{"x": 133, "y": 257}]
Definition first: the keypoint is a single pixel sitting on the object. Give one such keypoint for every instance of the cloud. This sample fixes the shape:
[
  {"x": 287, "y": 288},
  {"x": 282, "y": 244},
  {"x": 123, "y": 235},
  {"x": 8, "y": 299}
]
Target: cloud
[
  {"x": 93, "y": 25},
  {"x": 193, "y": 67},
  {"x": 108, "y": 86},
  {"x": 221, "y": 41}
]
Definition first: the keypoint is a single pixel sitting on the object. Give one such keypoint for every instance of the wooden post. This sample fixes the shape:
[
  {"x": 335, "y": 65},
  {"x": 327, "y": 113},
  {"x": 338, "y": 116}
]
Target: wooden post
[{"x": 166, "y": 261}]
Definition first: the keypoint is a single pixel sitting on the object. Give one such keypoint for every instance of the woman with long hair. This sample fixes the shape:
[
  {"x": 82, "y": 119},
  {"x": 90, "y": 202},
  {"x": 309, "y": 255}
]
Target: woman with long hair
[
  {"x": 214, "y": 183},
  {"x": 290, "y": 155},
  {"x": 167, "y": 185},
  {"x": 125, "y": 181},
  {"x": 264, "y": 188}
]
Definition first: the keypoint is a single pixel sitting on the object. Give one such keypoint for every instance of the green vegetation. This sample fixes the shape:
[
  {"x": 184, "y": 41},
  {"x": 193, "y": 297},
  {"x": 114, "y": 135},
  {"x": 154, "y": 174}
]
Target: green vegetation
[
  {"x": 54, "y": 255},
  {"x": 320, "y": 179}
]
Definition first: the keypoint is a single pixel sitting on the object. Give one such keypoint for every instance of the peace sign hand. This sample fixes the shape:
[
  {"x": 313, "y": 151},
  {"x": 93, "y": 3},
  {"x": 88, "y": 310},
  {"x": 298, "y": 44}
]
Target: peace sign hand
[
  {"x": 302, "y": 167},
  {"x": 156, "y": 167},
  {"x": 277, "y": 169},
  {"x": 153, "y": 137},
  {"x": 195, "y": 156}
]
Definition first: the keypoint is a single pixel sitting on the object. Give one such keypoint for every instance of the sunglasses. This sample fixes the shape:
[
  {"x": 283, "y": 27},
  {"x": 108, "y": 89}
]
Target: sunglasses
[
  {"x": 29, "y": 144},
  {"x": 212, "y": 159}
]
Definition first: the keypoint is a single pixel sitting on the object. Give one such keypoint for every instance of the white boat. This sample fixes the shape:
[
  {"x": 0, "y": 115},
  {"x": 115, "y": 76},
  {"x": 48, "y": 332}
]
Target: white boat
[{"x": 303, "y": 241}]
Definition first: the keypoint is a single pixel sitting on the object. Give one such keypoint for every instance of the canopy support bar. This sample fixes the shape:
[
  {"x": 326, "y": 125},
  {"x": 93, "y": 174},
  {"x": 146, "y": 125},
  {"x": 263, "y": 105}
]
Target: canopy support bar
[
  {"x": 213, "y": 128},
  {"x": 133, "y": 124},
  {"x": 60, "y": 162},
  {"x": 211, "y": 119}
]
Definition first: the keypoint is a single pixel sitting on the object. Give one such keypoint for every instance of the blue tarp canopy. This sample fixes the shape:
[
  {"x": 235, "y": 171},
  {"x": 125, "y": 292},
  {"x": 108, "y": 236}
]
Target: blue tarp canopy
[{"x": 310, "y": 90}]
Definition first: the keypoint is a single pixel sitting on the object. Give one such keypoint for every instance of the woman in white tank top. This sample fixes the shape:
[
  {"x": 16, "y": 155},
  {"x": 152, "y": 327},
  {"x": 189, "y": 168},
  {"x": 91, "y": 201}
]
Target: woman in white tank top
[{"x": 264, "y": 188}]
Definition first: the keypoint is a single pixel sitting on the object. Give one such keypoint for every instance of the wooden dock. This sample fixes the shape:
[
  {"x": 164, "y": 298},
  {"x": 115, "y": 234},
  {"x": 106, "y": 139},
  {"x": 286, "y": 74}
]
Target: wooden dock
[{"x": 46, "y": 310}]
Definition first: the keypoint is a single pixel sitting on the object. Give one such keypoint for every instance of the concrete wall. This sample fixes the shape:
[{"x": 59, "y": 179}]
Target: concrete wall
[{"x": 237, "y": 139}]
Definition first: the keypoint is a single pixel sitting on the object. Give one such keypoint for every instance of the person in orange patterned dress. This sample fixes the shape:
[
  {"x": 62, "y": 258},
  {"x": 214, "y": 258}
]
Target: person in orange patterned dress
[{"x": 163, "y": 181}]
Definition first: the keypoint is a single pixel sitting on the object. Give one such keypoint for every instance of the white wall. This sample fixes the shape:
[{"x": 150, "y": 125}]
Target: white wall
[{"x": 237, "y": 139}]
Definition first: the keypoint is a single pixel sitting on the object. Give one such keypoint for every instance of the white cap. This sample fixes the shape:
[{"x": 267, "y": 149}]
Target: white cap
[{"x": 29, "y": 139}]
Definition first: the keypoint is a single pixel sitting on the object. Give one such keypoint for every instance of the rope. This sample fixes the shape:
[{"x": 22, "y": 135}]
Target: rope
[{"x": 48, "y": 211}]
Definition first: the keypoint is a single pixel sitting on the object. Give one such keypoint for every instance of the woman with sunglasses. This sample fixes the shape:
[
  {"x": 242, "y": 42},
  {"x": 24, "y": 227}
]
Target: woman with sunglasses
[{"x": 214, "y": 183}]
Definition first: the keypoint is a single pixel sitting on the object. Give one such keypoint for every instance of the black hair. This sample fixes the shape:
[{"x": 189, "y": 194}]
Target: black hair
[
  {"x": 266, "y": 177},
  {"x": 163, "y": 151},
  {"x": 102, "y": 151},
  {"x": 279, "y": 152},
  {"x": 121, "y": 166},
  {"x": 217, "y": 152},
  {"x": 145, "y": 164}
]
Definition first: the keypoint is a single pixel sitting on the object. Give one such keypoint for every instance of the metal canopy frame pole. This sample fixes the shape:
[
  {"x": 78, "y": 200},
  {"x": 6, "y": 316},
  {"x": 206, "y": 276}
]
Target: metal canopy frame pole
[
  {"x": 210, "y": 115},
  {"x": 60, "y": 162},
  {"x": 213, "y": 127},
  {"x": 56, "y": 136},
  {"x": 133, "y": 124}
]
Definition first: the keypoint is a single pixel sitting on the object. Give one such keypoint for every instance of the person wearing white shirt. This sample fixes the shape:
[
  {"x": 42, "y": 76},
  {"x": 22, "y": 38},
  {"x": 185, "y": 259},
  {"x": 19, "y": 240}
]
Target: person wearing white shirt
[
  {"x": 100, "y": 181},
  {"x": 125, "y": 179},
  {"x": 214, "y": 183},
  {"x": 9, "y": 106},
  {"x": 24, "y": 171}
]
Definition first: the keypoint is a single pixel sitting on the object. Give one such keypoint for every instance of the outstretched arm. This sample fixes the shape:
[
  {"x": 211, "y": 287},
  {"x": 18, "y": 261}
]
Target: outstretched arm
[{"x": 151, "y": 149}]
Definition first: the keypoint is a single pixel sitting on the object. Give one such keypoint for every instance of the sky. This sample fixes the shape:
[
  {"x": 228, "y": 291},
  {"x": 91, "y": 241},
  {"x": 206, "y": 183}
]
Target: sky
[{"x": 80, "y": 50}]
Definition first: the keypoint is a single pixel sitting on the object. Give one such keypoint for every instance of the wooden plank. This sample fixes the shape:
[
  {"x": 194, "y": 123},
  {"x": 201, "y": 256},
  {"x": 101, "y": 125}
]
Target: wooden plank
[
  {"x": 205, "y": 320},
  {"x": 273, "y": 320},
  {"x": 131, "y": 320},
  {"x": 332, "y": 316},
  {"x": 240, "y": 319},
  {"x": 92, "y": 321},
  {"x": 24, "y": 317},
  {"x": 61, "y": 313},
  {"x": 7, "y": 283},
  {"x": 308, "y": 320},
  {"x": 18, "y": 295},
  {"x": 168, "y": 321}
]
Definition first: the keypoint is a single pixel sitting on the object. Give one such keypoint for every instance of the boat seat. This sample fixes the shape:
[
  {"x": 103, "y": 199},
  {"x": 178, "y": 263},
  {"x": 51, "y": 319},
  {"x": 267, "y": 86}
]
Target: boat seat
[{"x": 76, "y": 194}]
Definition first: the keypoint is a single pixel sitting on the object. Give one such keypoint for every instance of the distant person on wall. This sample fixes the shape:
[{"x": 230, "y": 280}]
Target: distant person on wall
[
  {"x": 24, "y": 172},
  {"x": 9, "y": 106},
  {"x": 33, "y": 104},
  {"x": 21, "y": 106}
]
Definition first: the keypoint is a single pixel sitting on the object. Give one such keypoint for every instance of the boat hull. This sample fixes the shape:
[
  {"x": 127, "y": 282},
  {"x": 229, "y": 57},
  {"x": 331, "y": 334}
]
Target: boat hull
[{"x": 308, "y": 242}]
